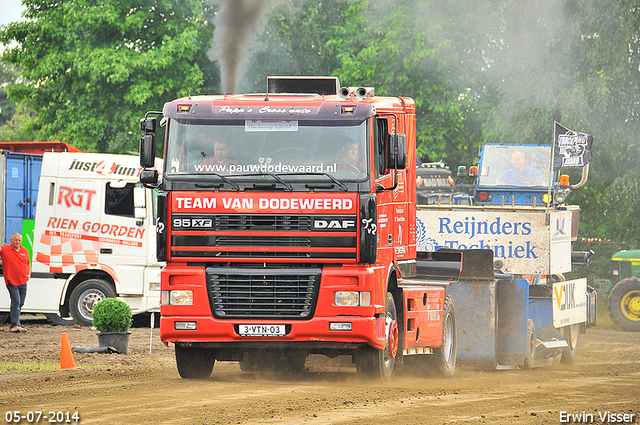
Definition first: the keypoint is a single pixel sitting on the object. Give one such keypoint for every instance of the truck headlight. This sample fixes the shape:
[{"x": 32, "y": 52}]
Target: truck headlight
[
  {"x": 177, "y": 298},
  {"x": 352, "y": 298}
]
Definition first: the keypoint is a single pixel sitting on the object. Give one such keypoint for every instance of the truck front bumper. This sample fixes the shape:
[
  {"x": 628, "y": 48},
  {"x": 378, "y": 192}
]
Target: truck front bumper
[{"x": 315, "y": 333}]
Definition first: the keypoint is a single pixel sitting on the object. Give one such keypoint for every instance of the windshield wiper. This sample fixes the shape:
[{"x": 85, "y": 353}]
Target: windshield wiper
[
  {"x": 284, "y": 183},
  {"x": 225, "y": 179},
  {"x": 336, "y": 181}
]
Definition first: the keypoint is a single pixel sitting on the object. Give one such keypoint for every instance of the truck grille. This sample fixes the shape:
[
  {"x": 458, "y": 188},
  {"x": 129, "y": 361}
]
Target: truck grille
[
  {"x": 291, "y": 223},
  {"x": 263, "y": 293},
  {"x": 256, "y": 236}
]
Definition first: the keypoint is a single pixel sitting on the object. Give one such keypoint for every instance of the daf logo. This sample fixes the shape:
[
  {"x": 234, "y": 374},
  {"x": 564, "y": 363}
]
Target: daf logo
[{"x": 334, "y": 224}]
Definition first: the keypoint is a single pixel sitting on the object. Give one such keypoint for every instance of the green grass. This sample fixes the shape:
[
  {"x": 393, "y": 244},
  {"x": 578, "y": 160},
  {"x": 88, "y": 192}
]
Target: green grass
[{"x": 19, "y": 367}]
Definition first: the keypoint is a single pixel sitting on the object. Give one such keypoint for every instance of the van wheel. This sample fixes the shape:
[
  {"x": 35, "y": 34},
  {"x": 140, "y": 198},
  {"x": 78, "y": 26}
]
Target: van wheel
[
  {"x": 379, "y": 364},
  {"x": 194, "y": 362},
  {"x": 85, "y": 297},
  {"x": 3, "y": 317},
  {"x": 56, "y": 319}
]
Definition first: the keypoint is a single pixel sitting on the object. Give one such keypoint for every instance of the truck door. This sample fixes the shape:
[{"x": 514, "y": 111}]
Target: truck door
[
  {"x": 123, "y": 236},
  {"x": 383, "y": 179},
  {"x": 393, "y": 226}
]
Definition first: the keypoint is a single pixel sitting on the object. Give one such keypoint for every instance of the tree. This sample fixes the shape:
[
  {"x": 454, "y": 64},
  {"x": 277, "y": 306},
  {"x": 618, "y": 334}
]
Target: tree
[
  {"x": 90, "y": 70},
  {"x": 19, "y": 128},
  {"x": 296, "y": 39},
  {"x": 8, "y": 75}
]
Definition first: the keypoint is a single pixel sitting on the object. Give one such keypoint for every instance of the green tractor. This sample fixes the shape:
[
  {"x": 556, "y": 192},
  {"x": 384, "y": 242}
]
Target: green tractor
[{"x": 624, "y": 298}]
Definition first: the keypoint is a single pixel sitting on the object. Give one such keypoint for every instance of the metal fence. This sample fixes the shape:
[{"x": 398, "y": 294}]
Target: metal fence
[{"x": 598, "y": 272}]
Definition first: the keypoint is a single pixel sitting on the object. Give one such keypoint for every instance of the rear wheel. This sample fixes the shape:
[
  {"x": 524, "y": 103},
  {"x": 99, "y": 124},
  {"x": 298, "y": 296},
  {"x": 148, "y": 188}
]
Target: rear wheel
[
  {"x": 571, "y": 335},
  {"x": 379, "y": 364},
  {"x": 531, "y": 345},
  {"x": 624, "y": 304},
  {"x": 85, "y": 297},
  {"x": 445, "y": 357},
  {"x": 3, "y": 317},
  {"x": 194, "y": 362}
]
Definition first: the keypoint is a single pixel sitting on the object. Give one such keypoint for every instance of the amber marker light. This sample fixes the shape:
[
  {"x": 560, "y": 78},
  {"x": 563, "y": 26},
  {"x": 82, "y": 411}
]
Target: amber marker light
[{"x": 348, "y": 109}]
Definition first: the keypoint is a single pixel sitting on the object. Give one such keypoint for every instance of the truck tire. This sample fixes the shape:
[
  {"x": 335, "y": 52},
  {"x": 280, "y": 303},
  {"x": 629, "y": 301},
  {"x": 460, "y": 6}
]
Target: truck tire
[
  {"x": 444, "y": 358},
  {"x": 56, "y": 319},
  {"x": 3, "y": 317},
  {"x": 194, "y": 362},
  {"x": 624, "y": 304},
  {"x": 571, "y": 334},
  {"x": 84, "y": 298},
  {"x": 529, "y": 356},
  {"x": 379, "y": 364}
]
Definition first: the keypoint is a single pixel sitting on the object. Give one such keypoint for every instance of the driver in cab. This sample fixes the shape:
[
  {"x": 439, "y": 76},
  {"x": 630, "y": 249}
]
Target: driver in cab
[
  {"x": 520, "y": 174},
  {"x": 349, "y": 158}
]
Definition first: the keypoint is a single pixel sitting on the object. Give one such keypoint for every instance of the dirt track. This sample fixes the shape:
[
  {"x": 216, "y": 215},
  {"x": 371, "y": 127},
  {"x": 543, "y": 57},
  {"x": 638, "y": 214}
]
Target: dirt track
[{"x": 145, "y": 388}]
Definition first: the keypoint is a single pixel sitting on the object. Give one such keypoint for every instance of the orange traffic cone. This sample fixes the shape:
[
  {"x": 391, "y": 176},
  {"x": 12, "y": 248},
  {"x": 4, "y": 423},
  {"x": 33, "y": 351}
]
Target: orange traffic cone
[{"x": 66, "y": 357}]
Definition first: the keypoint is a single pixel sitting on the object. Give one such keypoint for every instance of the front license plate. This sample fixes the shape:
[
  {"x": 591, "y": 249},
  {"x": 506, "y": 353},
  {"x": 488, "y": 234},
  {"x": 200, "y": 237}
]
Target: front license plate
[{"x": 261, "y": 330}]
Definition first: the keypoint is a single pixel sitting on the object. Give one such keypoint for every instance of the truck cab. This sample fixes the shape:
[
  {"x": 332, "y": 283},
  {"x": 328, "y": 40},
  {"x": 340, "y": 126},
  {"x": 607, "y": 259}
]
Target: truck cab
[{"x": 287, "y": 221}]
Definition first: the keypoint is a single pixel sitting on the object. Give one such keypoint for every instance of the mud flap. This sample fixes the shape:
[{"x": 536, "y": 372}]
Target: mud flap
[
  {"x": 512, "y": 298},
  {"x": 475, "y": 305}
]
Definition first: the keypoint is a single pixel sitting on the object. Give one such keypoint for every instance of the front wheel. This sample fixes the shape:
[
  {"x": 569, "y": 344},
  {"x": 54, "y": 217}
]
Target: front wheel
[
  {"x": 379, "y": 364},
  {"x": 194, "y": 362},
  {"x": 85, "y": 297},
  {"x": 624, "y": 304}
]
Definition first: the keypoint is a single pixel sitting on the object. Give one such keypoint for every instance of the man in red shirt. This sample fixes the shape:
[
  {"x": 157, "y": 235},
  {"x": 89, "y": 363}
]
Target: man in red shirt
[
  {"x": 220, "y": 160},
  {"x": 16, "y": 268}
]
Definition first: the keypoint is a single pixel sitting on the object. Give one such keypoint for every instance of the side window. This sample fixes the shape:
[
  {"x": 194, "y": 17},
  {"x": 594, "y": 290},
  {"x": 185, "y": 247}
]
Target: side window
[
  {"x": 380, "y": 132},
  {"x": 119, "y": 200}
]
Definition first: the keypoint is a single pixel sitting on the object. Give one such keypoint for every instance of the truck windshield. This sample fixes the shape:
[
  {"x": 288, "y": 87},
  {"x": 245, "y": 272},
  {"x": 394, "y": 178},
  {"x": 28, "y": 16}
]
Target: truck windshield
[
  {"x": 515, "y": 165},
  {"x": 247, "y": 147}
]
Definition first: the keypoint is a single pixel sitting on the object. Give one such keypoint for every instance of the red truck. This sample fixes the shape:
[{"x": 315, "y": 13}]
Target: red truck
[{"x": 287, "y": 220}]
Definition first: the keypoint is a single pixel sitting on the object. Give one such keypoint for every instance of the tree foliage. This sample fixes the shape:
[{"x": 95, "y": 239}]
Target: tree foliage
[
  {"x": 296, "y": 40},
  {"x": 90, "y": 70},
  {"x": 8, "y": 75}
]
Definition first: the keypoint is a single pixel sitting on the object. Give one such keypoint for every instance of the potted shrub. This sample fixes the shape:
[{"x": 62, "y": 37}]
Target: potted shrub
[{"x": 112, "y": 318}]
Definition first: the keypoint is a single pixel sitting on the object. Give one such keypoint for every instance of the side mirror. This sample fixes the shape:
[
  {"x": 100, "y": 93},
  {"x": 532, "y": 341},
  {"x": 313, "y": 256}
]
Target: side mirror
[
  {"x": 148, "y": 125},
  {"x": 397, "y": 151},
  {"x": 147, "y": 150}
]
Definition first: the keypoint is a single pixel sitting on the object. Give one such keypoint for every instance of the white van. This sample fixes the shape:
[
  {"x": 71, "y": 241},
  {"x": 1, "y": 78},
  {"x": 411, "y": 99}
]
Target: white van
[{"x": 93, "y": 235}]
